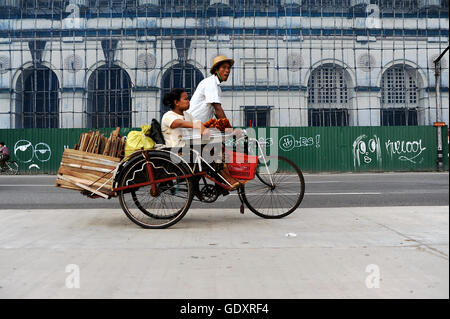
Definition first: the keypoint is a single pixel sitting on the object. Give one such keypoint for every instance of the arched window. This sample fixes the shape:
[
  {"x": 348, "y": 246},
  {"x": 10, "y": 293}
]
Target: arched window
[
  {"x": 399, "y": 96},
  {"x": 37, "y": 98},
  {"x": 109, "y": 98},
  {"x": 328, "y": 99},
  {"x": 183, "y": 76}
]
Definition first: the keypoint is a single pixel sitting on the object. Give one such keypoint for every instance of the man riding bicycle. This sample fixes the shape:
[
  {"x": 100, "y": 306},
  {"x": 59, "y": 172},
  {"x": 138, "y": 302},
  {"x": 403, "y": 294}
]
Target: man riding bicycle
[{"x": 4, "y": 155}]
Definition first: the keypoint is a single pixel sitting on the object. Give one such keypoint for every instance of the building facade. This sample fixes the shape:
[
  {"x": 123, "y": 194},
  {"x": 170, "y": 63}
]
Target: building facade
[{"x": 107, "y": 63}]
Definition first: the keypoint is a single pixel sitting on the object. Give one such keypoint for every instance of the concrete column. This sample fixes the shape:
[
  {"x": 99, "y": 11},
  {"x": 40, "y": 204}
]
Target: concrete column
[
  {"x": 444, "y": 107},
  {"x": 303, "y": 118},
  {"x": 5, "y": 108},
  {"x": 146, "y": 107},
  {"x": 431, "y": 108},
  {"x": 366, "y": 109},
  {"x": 71, "y": 109}
]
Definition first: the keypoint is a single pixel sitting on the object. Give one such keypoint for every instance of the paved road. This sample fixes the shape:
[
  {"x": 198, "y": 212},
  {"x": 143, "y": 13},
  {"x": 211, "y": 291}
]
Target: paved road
[
  {"x": 383, "y": 252},
  {"x": 322, "y": 190},
  {"x": 354, "y": 236}
]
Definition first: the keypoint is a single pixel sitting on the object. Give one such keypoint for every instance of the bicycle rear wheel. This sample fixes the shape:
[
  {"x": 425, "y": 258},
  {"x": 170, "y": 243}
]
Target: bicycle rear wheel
[
  {"x": 274, "y": 193},
  {"x": 163, "y": 206},
  {"x": 12, "y": 168}
]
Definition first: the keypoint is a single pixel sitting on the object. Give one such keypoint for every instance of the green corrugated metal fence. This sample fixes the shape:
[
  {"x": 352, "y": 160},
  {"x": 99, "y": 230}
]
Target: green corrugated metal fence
[
  {"x": 345, "y": 149},
  {"x": 313, "y": 149}
]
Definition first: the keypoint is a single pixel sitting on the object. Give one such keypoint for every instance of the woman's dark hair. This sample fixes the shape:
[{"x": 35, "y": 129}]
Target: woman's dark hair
[
  {"x": 2, "y": 143},
  {"x": 170, "y": 98}
]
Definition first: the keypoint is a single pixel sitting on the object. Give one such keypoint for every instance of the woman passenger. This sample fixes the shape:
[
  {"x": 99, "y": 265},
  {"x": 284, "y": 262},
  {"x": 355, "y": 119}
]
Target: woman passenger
[{"x": 174, "y": 121}]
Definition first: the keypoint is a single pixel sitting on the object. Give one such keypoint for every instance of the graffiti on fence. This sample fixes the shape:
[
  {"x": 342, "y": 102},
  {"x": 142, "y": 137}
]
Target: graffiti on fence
[
  {"x": 289, "y": 142},
  {"x": 264, "y": 142},
  {"x": 27, "y": 153},
  {"x": 366, "y": 150},
  {"x": 409, "y": 151}
]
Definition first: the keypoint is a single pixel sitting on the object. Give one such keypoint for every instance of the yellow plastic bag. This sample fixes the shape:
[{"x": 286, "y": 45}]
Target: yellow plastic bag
[{"x": 138, "y": 139}]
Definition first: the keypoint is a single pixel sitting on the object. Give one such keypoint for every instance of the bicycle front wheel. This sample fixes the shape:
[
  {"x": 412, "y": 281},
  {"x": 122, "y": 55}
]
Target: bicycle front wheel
[{"x": 277, "y": 189}]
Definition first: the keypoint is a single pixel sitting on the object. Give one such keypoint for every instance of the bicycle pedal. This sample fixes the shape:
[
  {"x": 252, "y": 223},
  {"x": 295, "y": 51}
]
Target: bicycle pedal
[
  {"x": 225, "y": 192},
  {"x": 242, "y": 209}
]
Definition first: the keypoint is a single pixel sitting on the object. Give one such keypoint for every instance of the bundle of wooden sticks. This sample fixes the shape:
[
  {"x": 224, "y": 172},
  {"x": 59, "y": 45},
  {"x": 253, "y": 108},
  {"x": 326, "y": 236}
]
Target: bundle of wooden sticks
[
  {"x": 90, "y": 166},
  {"x": 94, "y": 142}
]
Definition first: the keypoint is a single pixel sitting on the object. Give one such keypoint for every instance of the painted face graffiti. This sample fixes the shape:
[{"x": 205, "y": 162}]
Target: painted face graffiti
[
  {"x": 25, "y": 152},
  {"x": 365, "y": 151}
]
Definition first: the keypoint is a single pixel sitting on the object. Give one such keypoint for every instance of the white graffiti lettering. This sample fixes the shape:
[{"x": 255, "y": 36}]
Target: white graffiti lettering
[
  {"x": 289, "y": 142},
  {"x": 240, "y": 144},
  {"x": 407, "y": 150}
]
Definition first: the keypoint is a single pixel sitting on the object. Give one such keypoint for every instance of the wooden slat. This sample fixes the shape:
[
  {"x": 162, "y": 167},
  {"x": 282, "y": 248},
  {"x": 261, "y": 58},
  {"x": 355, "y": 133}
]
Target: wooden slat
[
  {"x": 60, "y": 182},
  {"x": 115, "y": 133},
  {"x": 102, "y": 145},
  {"x": 87, "y": 155},
  {"x": 122, "y": 147},
  {"x": 100, "y": 161},
  {"x": 77, "y": 146},
  {"x": 86, "y": 138},
  {"x": 95, "y": 144},
  {"x": 80, "y": 147},
  {"x": 89, "y": 173},
  {"x": 83, "y": 162},
  {"x": 63, "y": 184},
  {"x": 91, "y": 137},
  {"x": 74, "y": 181},
  {"x": 82, "y": 180},
  {"x": 114, "y": 147},
  {"x": 108, "y": 164},
  {"x": 107, "y": 147},
  {"x": 88, "y": 161},
  {"x": 91, "y": 142}
]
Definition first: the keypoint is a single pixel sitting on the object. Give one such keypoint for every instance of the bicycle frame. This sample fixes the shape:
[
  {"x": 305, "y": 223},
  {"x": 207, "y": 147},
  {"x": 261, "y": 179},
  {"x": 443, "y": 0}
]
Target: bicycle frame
[
  {"x": 150, "y": 171},
  {"x": 262, "y": 155},
  {"x": 199, "y": 160}
]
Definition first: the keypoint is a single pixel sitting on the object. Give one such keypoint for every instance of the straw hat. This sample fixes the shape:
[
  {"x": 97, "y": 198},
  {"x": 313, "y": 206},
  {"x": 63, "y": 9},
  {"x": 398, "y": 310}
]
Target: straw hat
[{"x": 219, "y": 59}]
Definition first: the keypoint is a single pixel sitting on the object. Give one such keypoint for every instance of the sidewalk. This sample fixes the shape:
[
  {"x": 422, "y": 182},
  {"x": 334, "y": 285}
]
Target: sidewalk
[{"x": 336, "y": 253}]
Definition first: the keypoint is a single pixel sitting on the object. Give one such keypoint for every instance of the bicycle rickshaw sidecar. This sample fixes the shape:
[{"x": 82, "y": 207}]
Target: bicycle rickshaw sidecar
[{"x": 156, "y": 187}]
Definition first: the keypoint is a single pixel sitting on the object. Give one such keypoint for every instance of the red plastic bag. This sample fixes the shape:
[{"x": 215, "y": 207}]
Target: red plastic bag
[{"x": 240, "y": 165}]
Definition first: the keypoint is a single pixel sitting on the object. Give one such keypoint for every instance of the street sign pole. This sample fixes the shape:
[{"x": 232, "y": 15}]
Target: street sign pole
[{"x": 438, "y": 124}]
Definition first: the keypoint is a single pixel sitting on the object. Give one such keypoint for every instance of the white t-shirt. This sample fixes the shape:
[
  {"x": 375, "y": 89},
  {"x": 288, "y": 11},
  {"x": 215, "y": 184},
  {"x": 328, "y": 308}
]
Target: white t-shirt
[
  {"x": 173, "y": 136},
  {"x": 208, "y": 91}
]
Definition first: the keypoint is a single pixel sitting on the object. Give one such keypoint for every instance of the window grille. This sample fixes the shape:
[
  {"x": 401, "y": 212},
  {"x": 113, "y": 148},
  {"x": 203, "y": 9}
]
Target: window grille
[
  {"x": 37, "y": 98},
  {"x": 109, "y": 98},
  {"x": 257, "y": 116},
  {"x": 328, "y": 97},
  {"x": 399, "y": 97}
]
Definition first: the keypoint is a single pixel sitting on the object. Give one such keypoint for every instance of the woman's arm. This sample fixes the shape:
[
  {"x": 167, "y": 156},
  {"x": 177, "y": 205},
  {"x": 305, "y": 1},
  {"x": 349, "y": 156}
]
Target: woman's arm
[
  {"x": 181, "y": 123},
  {"x": 187, "y": 124}
]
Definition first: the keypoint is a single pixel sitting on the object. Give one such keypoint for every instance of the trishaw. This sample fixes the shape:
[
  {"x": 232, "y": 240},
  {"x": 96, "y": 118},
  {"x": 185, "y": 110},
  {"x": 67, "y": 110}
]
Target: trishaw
[{"x": 156, "y": 187}]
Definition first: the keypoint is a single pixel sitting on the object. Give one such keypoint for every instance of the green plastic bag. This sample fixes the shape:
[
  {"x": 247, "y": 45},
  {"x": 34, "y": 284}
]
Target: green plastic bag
[{"x": 139, "y": 139}]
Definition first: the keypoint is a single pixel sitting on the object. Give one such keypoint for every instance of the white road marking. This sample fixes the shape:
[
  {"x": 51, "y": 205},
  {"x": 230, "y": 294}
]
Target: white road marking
[
  {"x": 26, "y": 185},
  {"x": 319, "y": 194},
  {"x": 278, "y": 194}
]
